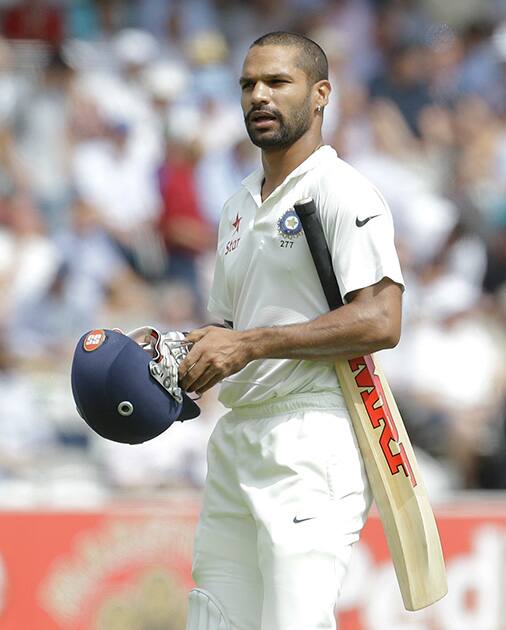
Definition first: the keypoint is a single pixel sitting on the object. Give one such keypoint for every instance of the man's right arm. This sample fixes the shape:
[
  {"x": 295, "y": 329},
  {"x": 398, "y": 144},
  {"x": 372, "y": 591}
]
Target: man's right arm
[{"x": 369, "y": 322}]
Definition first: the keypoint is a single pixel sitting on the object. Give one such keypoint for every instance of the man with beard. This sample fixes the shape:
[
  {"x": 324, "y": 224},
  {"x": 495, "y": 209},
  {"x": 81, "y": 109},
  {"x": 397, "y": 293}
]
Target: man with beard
[{"x": 286, "y": 494}]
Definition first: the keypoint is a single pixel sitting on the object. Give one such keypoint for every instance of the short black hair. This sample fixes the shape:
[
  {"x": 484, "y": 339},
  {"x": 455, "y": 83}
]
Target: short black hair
[{"x": 312, "y": 59}]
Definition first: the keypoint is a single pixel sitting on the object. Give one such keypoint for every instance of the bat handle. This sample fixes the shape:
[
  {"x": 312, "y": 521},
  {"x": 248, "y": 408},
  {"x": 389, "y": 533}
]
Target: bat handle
[
  {"x": 318, "y": 247},
  {"x": 305, "y": 207}
]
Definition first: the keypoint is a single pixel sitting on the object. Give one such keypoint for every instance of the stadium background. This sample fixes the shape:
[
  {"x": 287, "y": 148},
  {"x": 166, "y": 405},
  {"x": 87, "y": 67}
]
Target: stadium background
[{"x": 120, "y": 138}]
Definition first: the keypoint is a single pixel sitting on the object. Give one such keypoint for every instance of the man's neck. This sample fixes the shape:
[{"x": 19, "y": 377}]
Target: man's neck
[{"x": 279, "y": 163}]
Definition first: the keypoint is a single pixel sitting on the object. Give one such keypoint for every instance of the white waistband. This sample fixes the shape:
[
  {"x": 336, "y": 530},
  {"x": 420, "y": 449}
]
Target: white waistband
[{"x": 288, "y": 404}]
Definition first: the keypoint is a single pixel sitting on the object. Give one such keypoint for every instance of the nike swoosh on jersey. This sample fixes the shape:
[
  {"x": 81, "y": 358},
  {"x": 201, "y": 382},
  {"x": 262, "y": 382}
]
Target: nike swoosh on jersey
[
  {"x": 301, "y": 520},
  {"x": 362, "y": 222}
]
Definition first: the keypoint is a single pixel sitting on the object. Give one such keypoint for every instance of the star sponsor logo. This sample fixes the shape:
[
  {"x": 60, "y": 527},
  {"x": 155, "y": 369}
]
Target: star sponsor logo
[
  {"x": 93, "y": 340},
  {"x": 236, "y": 223},
  {"x": 233, "y": 243}
]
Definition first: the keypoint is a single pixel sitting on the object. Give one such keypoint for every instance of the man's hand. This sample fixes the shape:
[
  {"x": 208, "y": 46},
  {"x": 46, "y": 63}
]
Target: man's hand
[{"x": 216, "y": 353}]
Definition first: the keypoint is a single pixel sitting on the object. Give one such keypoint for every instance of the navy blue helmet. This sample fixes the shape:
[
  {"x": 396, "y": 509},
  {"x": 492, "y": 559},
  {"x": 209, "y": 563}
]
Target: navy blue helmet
[{"x": 117, "y": 393}]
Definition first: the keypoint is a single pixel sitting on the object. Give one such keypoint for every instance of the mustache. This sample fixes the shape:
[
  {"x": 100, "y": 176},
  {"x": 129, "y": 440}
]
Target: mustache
[{"x": 265, "y": 110}]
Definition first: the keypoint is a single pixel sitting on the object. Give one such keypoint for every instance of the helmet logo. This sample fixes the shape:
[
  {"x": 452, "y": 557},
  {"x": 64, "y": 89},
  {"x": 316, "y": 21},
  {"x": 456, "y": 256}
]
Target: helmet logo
[{"x": 93, "y": 340}]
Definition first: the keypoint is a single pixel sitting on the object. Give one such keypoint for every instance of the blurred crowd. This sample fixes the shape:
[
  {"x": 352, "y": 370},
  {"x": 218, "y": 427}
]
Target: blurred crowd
[{"x": 121, "y": 136}]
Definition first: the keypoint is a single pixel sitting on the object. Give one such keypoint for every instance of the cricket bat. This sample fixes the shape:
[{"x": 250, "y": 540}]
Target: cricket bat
[{"x": 395, "y": 479}]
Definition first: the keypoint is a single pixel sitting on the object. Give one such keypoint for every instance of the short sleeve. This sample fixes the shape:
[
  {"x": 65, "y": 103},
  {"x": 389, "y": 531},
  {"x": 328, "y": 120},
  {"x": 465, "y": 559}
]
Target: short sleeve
[
  {"x": 219, "y": 303},
  {"x": 359, "y": 229}
]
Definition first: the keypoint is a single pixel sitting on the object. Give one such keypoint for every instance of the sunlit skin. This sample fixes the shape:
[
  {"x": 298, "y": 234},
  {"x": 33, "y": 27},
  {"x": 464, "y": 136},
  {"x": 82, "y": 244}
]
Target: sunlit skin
[
  {"x": 280, "y": 108},
  {"x": 273, "y": 84}
]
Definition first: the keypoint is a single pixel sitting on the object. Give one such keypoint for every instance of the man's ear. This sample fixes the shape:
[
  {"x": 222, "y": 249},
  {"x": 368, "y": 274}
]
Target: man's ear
[{"x": 323, "y": 89}]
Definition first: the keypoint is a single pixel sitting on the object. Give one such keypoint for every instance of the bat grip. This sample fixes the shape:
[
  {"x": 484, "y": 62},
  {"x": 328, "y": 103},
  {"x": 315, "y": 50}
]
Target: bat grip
[
  {"x": 305, "y": 207},
  {"x": 307, "y": 213}
]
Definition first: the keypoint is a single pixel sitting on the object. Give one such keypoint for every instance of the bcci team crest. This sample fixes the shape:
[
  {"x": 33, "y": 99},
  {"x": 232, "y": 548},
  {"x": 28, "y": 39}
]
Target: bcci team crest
[{"x": 289, "y": 226}]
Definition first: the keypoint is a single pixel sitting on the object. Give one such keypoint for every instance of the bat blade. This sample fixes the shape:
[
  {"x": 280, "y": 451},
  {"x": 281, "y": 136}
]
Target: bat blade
[
  {"x": 396, "y": 482},
  {"x": 400, "y": 495}
]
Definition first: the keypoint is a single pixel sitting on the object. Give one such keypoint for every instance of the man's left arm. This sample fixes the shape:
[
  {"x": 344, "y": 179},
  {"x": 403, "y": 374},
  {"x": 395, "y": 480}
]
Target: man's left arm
[{"x": 370, "y": 321}]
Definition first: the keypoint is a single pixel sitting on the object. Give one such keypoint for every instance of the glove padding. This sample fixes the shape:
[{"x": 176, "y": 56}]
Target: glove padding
[{"x": 168, "y": 351}]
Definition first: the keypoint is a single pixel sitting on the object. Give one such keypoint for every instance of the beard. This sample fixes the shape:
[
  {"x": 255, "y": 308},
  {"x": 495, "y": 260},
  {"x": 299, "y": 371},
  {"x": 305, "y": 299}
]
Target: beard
[{"x": 288, "y": 130}]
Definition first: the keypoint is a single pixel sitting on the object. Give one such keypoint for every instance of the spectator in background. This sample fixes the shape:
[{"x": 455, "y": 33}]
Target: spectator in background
[
  {"x": 213, "y": 90},
  {"x": 219, "y": 174},
  {"x": 494, "y": 281},
  {"x": 356, "y": 23},
  {"x": 176, "y": 20},
  {"x": 166, "y": 83},
  {"x": 28, "y": 257},
  {"x": 113, "y": 175},
  {"x": 437, "y": 146},
  {"x": 499, "y": 44},
  {"x": 85, "y": 279},
  {"x": 404, "y": 82},
  {"x": 90, "y": 264},
  {"x": 176, "y": 307},
  {"x": 134, "y": 49},
  {"x": 480, "y": 171},
  {"x": 13, "y": 173},
  {"x": 24, "y": 430},
  {"x": 173, "y": 459},
  {"x": 186, "y": 232},
  {"x": 480, "y": 72},
  {"x": 118, "y": 90},
  {"x": 445, "y": 53},
  {"x": 13, "y": 86},
  {"x": 34, "y": 19},
  {"x": 43, "y": 122},
  {"x": 223, "y": 158},
  {"x": 46, "y": 321},
  {"x": 95, "y": 19},
  {"x": 456, "y": 382}
]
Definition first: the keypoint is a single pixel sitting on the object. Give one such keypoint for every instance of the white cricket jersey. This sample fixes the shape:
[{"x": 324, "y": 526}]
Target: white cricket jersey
[{"x": 265, "y": 276}]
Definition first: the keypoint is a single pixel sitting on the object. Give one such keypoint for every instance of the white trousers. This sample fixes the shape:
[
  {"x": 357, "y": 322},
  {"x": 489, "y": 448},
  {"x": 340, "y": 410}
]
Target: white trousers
[{"x": 285, "y": 499}]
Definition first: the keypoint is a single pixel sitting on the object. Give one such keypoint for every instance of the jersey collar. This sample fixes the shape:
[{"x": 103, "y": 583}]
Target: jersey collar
[{"x": 253, "y": 183}]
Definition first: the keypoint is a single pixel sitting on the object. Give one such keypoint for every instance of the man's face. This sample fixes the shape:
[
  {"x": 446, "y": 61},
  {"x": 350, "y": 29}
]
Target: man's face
[{"x": 276, "y": 97}]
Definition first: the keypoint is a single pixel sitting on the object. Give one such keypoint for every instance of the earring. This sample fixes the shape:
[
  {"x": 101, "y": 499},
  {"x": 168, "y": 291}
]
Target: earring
[{"x": 319, "y": 108}]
